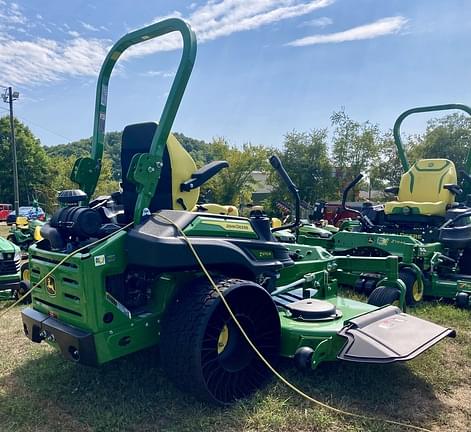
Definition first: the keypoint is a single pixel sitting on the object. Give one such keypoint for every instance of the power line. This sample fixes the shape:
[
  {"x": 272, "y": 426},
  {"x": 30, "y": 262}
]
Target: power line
[{"x": 39, "y": 126}]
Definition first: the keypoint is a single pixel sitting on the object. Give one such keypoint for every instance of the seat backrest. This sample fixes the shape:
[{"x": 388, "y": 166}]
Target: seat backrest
[
  {"x": 425, "y": 179},
  {"x": 178, "y": 166}
]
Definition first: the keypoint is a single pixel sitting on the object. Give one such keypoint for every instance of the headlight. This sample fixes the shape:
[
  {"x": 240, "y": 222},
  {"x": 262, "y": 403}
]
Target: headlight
[{"x": 17, "y": 256}]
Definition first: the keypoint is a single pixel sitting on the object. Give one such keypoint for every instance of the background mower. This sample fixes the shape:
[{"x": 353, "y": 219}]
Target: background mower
[
  {"x": 118, "y": 275},
  {"x": 427, "y": 226}
]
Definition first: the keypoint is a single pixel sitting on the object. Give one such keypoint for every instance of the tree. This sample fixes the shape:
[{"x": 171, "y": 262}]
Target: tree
[
  {"x": 34, "y": 168},
  {"x": 355, "y": 146},
  {"x": 448, "y": 137},
  {"x": 305, "y": 159},
  {"x": 387, "y": 169},
  {"x": 235, "y": 184}
]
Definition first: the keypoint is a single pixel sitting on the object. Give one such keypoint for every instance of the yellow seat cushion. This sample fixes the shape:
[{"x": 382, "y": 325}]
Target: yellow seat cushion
[
  {"x": 414, "y": 207},
  {"x": 421, "y": 189},
  {"x": 182, "y": 167}
]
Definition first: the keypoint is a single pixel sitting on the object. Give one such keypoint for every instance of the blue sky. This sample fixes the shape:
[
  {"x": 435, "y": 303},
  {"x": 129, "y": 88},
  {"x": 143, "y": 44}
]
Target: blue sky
[{"x": 263, "y": 68}]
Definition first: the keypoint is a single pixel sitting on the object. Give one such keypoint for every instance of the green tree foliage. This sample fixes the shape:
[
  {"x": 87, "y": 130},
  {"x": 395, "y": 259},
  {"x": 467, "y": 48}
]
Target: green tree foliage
[
  {"x": 386, "y": 169},
  {"x": 305, "y": 158},
  {"x": 448, "y": 137},
  {"x": 235, "y": 184},
  {"x": 112, "y": 150},
  {"x": 34, "y": 167},
  {"x": 355, "y": 146}
]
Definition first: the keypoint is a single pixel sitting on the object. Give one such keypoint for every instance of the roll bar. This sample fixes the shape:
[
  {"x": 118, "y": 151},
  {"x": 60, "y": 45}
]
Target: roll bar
[
  {"x": 144, "y": 169},
  {"x": 401, "y": 118}
]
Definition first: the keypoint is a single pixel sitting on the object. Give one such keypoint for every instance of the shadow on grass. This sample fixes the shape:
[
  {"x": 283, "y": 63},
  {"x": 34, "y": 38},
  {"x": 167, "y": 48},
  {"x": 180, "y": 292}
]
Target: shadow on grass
[{"x": 133, "y": 394}]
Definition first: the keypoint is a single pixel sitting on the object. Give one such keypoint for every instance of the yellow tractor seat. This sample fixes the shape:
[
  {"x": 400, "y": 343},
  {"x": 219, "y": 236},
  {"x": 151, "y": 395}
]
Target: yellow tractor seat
[
  {"x": 422, "y": 191},
  {"x": 21, "y": 222}
]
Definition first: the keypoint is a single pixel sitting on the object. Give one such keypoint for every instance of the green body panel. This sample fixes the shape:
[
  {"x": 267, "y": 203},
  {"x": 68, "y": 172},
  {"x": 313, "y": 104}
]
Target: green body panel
[
  {"x": 205, "y": 226},
  {"x": 7, "y": 279},
  {"x": 421, "y": 257},
  {"x": 297, "y": 333},
  {"x": 81, "y": 298},
  {"x": 7, "y": 246}
]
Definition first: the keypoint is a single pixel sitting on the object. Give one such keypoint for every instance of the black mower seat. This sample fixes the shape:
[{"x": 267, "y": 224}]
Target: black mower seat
[
  {"x": 178, "y": 166},
  {"x": 178, "y": 186}
]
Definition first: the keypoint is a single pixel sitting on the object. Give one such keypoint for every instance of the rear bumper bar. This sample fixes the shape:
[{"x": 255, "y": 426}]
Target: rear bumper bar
[
  {"x": 9, "y": 285},
  {"x": 75, "y": 344}
]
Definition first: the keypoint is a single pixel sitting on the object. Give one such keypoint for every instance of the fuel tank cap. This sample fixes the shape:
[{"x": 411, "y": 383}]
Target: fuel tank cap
[{"x": 313, "y": 310}]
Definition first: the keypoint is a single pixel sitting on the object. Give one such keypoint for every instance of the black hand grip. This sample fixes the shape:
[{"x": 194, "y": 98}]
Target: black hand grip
[
  {"x": 350, "y": 186},
  {"x": 278, "y": 166},
  {"x": 465, "y": 176}
]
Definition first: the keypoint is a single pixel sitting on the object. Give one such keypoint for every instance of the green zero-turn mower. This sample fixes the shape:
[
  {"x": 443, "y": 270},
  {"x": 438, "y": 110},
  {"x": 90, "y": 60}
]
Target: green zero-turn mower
[
  {"x": 10, "y": 263},
  {"x": 427, "y": 226},
  {"x": 126, "y": 279}
]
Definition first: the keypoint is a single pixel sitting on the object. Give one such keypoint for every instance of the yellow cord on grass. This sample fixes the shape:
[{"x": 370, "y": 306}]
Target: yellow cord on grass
[
  {"x": 264, "y": 360},
  {"x": 224, "y": 301}
]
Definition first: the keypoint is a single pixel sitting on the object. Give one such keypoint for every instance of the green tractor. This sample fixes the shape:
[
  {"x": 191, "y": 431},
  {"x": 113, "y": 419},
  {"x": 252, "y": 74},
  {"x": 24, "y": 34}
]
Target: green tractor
[
  {"x": 118, "y": 275},
  {"x": 10, "y": 276},
  {"x": 427, "y": 226},
  {"x": 25, "y": 232}
]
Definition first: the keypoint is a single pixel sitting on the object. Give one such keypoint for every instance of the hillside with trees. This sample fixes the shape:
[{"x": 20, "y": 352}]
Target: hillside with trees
[{"x": 320, "y": 161}]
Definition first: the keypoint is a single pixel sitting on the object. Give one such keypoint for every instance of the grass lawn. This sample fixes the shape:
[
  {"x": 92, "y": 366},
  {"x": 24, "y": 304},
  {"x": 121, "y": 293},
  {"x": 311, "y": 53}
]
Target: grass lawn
[{"x": 39, "y": 391}]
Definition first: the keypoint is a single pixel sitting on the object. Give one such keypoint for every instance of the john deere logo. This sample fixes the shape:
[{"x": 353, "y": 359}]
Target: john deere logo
[{"x": 51, "y": 285}]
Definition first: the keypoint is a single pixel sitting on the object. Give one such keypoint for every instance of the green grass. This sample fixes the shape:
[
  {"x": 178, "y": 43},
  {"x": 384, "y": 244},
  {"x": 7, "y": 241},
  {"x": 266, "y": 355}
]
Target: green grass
[{"x": 39, "y": 391}]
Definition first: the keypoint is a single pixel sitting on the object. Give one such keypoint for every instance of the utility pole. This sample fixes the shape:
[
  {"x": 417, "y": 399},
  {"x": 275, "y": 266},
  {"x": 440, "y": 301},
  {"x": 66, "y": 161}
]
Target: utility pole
[{"x": 9, "y": 96}]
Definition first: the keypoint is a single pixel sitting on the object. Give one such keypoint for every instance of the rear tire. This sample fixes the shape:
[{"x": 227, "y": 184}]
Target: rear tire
[
  {"x": 202, "y": 350},
  {"x": 383, "y": 296},
  {"x": 24, "y": 285},
  {"x": 414, "y": 286},
  {"x": 462, "y": 300},
  {"x": 369, "y": 286}
]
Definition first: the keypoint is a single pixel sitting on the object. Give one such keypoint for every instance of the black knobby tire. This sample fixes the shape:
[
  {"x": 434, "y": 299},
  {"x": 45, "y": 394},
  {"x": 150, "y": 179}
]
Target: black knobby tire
[
  {"x": 359, "y": 285},
  {"x": 192, "y": 353},
  {"x": 382, "y": 296},
  {"x": 369, "y": 286},
  {"x": 24, "y": 285},
  {"x": 414, "y": 287}
]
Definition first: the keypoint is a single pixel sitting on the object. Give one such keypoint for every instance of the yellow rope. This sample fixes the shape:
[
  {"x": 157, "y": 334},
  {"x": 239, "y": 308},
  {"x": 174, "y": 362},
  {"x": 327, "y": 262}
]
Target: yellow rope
[
  {"x": 224, "y": 301},
  {"x": 264, "y": 360},
  {"x": 3, "y": 311}
]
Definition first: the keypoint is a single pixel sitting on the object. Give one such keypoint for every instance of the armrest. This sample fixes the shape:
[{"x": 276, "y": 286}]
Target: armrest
[
  {"x": 392, "y": 190},
  {"x": 203, "y": 175},
  {"x": 453, "y": 188}
]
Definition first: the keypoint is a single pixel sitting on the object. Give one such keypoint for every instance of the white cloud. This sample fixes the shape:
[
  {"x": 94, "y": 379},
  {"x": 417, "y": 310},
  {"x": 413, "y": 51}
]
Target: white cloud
[
  {"x": 87, "y": 26},
  {"x": 40, "y": 60},
  {"x": 218, "y": 19},
  {"x": 155, "y": 73},
  {"x": 375, "y": 29},
  {"x": 318, "y": 22},
  {"x": 45, "y": 60}
]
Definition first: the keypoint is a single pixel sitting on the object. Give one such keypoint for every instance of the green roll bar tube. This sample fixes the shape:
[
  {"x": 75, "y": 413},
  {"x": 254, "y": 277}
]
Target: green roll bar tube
[
  {"x": 397, "y": 130},
  {"x": 145, "y": 168}
]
